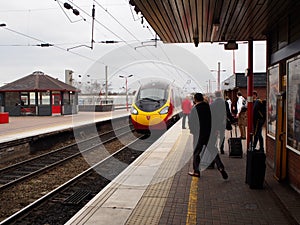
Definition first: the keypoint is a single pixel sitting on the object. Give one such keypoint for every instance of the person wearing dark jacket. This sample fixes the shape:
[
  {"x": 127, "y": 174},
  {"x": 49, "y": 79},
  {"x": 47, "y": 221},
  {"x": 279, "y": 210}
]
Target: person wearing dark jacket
[
  {"x": 218, "y": 117},
  {"x": 200, "y": 127},
  {"x": 259, "y": 118},
  {"x": 229, "y": 121}
]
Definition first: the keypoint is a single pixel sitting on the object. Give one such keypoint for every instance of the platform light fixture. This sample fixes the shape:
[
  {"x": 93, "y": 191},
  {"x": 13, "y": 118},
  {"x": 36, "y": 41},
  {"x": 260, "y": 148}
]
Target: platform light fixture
[
  {"x": 196, "y": 41},
  {"x": 68, "y": 6},
  {"x": 231, "y": 45},
  {"x": 126, "y": 87}
]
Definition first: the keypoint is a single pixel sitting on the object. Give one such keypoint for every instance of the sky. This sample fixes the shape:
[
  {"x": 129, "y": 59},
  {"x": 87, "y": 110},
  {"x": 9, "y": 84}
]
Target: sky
[{"x": 31, "y": 23}]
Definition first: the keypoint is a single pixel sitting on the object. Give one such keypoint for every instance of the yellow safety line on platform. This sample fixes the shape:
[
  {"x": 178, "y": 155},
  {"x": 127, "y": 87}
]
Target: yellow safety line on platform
[{"x": 191, "y": 217}]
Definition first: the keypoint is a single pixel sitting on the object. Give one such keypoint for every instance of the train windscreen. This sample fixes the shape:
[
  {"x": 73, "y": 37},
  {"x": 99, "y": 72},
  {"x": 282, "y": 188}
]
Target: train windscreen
[
  {"x": 152, "y": 93},
  {"x": 151, "y": 99}
]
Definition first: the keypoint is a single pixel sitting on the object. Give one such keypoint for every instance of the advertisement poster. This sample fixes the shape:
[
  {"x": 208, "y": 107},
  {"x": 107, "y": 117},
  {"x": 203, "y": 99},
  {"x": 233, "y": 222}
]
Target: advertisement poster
[
  {"x": 273, "y": 91},
  {"x": 293, "y": 103}
]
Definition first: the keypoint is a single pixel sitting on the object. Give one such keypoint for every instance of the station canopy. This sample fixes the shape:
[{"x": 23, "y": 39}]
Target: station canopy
[{"x": 194, "y": 21}]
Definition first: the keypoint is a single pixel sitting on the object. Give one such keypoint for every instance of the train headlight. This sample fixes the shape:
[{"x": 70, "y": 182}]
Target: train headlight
[
  {"x": 133, "y": 111},
  {"x": 165, "y": 110}
]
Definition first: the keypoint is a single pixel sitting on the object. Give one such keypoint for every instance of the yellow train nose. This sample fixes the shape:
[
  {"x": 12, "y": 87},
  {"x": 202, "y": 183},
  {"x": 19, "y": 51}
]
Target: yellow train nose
[{"x": 150, "y": 120}]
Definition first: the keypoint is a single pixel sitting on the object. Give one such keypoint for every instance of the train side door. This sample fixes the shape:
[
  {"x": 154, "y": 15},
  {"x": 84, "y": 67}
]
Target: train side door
[
  {"x": 280, "y": 149},
  {"x": 56, "y": 103}
]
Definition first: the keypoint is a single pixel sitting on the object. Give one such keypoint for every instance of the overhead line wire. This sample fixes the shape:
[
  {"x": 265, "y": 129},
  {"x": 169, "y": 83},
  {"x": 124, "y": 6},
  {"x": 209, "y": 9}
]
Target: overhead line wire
[
  {"x": 39, "y": 40},
  {"x": 86, "y": 57},
  {"x": 116, "y": 20},
  {"x": 114, "y": 32}
]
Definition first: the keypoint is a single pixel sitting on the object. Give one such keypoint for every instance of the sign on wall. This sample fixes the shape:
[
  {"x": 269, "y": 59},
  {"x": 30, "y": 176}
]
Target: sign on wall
[
  {"x": 293, "y": 103},
  {"x": 273, "y": 91}
]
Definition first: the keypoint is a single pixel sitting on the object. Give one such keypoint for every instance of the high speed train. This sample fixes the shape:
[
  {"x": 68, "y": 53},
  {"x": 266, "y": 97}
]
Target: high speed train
[{"x": 155, "y": 106}]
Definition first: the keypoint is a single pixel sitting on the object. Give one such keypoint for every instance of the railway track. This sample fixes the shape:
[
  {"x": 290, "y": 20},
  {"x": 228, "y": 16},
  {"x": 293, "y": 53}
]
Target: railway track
[
  {"x": 59, "y": 205},
  {"x": 22, "y": 198},
  {"x": 89, "y": 147}
]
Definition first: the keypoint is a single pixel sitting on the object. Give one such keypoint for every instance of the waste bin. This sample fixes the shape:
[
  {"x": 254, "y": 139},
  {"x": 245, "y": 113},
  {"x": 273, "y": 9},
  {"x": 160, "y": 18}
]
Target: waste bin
[{"x": 4, "y": 117}]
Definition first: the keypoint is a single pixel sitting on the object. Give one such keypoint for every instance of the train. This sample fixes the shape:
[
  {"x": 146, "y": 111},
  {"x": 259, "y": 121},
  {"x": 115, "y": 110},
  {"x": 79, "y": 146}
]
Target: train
[{"x": 156, "y": 105}]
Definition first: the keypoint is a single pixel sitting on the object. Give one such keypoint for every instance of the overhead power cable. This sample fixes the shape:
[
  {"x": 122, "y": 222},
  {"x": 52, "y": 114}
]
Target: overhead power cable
[
  {"x": 44, "y": 44},
  {"x": 154, "y": 40},
  {"x": 116, "y": 20}
]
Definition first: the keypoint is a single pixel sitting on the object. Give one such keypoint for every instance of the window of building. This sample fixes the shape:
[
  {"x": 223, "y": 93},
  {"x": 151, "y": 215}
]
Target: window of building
[
  {"x": 44, "y": 98},
  {"x": 67, "y": 99},
  {"x": 32, "y": 98},
  {"x": 24, "y": 98}
]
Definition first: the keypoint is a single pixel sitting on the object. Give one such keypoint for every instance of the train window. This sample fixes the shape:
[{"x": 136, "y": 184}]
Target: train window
[{"x": 153, "y": 93}]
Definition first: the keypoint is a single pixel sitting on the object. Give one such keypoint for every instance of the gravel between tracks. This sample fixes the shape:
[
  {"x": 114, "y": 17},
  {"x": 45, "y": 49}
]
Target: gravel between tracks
[{"x": 17, "y": 197}]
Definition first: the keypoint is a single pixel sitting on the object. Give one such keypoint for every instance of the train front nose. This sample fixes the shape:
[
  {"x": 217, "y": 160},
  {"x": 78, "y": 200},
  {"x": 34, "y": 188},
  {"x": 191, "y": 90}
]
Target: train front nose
[{"x": 145, "y": 121}]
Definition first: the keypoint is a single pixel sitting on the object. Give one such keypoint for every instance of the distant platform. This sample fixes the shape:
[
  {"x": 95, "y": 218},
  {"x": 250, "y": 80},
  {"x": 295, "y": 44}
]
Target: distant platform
[{"x": 25, "y": 126}]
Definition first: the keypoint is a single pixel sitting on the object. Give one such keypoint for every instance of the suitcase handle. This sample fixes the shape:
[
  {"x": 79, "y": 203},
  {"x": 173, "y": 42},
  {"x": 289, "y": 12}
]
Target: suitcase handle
[{"x": 251, "y": 146}]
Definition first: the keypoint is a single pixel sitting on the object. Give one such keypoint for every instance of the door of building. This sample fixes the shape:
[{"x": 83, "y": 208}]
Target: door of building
[
  {"x": 280, "y": 149},
  {"x": 56, "y": 103}
]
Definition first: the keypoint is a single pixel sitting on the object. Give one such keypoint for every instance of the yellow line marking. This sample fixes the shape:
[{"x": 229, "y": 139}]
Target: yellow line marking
[{"x": 191, "y": 217}]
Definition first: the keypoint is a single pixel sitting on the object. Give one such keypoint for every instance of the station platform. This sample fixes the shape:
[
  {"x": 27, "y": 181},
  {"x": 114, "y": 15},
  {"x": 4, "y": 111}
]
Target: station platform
[
  {"x": 156, "y": 189},
  {"x": 26, "y": 126}
]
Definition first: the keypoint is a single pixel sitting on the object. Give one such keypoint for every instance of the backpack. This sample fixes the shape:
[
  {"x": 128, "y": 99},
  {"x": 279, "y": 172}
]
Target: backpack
[
  {"x": 244, "y": 107},
  {"x": 244, "y": 102}
]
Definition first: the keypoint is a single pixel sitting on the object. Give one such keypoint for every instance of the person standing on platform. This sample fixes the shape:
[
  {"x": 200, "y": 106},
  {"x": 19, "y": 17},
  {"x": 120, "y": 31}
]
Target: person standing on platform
[
  {"x": 186, "y": 107},
  {"x": 242, "y": 114},
  {"x": 218, "y": 112},
  {"x": 200, "y": 127},
  {"x": 229, "y": 121},
  {"x": 227, "y": 99},
  {"x": 200, "y": 122},
  {"x": 259, "y": 118},
  {"x": 219, "y": 118}
]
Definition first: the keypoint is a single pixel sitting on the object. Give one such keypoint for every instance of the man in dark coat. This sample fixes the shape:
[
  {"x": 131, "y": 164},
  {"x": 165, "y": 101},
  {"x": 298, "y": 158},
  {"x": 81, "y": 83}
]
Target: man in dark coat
[
  {"x": 259, "y": 118},
  {"x": 219, "y": 116},
  {"x": 200, "y": 127}
]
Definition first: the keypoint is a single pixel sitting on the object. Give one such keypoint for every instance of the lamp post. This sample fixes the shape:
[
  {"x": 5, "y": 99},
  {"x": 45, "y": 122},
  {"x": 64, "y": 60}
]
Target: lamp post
[
  {"x": 218, "y": 77},
  {"x": 126, "y": 88}
]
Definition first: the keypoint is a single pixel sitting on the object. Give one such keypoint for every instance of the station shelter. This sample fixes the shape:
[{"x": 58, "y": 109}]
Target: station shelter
[
  {"x": 230, "y": 22},
  {"x": 39, "y": 95}
]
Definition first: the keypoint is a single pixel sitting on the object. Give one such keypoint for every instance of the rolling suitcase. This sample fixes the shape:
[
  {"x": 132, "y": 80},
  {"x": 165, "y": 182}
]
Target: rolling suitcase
[
  {"x": 255, "y": 168},
  {"x": 235, "y": 145}
]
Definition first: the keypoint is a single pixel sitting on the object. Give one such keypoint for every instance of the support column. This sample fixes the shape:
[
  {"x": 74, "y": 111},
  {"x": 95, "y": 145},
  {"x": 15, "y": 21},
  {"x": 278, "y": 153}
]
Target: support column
[{"x": 250, "y": 91}]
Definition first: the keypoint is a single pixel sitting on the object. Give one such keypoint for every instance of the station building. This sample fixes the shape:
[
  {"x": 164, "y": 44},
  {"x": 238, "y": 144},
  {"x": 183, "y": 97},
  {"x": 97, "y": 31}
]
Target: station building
[{"x": 38, "y": 94}]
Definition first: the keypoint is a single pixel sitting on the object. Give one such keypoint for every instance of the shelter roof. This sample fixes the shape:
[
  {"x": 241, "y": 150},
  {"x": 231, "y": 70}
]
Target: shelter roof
[
  {"x": 37, "y": 81},
  {"x": 187, "y": 21}
]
